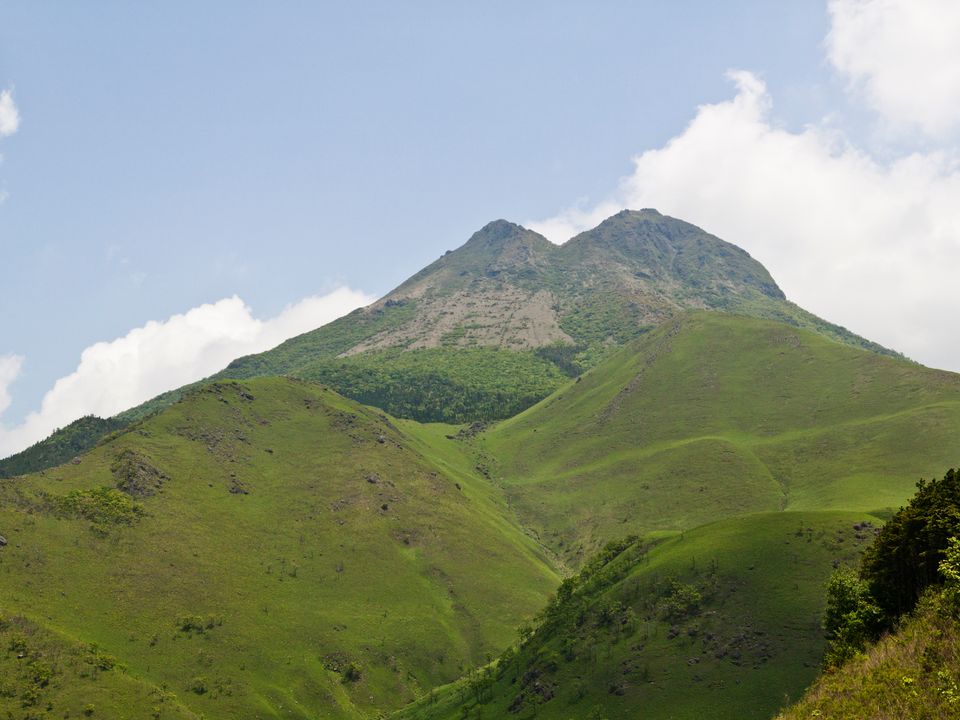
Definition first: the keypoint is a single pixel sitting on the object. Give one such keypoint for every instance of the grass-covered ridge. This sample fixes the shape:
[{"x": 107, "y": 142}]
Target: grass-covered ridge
[
  {"x": 276, "y": 551},
  {"x": 713, "y": 415},
  {"x": 722, "y": 621}
]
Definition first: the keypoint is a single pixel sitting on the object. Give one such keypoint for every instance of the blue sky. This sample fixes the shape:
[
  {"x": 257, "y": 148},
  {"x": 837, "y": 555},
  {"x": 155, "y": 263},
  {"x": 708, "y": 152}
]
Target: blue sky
[{"x": 172, "y": 155}]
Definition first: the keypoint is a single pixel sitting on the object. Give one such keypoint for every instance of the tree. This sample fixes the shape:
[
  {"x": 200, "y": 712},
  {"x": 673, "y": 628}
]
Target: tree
[
  {"x": 852, "y": 618},
  {"x": 905, "y": 557}
]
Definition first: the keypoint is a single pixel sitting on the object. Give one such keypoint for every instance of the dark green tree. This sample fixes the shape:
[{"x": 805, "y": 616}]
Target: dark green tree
[{"x": 905, "y": 557}]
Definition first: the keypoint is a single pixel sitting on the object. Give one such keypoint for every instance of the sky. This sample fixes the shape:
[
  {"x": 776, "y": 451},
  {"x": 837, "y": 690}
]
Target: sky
[{"x": 184, "y": 183}]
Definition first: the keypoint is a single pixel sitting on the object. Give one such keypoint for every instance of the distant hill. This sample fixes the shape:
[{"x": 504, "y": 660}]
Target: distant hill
[
  {"x": 259, "y": 549},
  {"x": 501, "y": 322},
  {"x": 62, "y": 446}
]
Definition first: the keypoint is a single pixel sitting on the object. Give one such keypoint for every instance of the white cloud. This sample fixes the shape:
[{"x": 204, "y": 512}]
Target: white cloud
[
  {"x": 116, "y": 375},
  {"x": 10, "y": 366},
  {"x": 871, "y": 245},
  {"x": 904, "y": 56},
  {"x": 9, "y": 116}
]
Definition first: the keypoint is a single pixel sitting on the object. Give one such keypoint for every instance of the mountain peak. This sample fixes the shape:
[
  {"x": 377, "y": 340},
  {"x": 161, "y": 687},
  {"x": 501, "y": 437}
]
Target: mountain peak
[
  {"x": 502, "y": 234},
  {"x": 496, "y": 229},
  {"x": 654, "y": 246}
]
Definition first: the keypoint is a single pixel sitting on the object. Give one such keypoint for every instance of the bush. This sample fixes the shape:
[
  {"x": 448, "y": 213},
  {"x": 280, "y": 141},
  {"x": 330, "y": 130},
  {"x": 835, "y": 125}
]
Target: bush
[
  {"x": 102, "y": 506},
  {"x": 682, "y": 601},
  {"x": 199, "y": 685},
  {"x": 852, "y": 618},
  {"x": 99, "y": 659},
  {"x": 198, "y": 623},
  {"x": 950, "y": 569},
  {"x": 352, "y": 673}
]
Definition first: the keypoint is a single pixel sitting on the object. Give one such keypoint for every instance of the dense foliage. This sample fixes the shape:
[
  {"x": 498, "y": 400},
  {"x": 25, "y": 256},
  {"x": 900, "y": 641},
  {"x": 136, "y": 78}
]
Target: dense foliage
[
  {"x": 907, "y": 558},
  {"x": 443, "y": 384},
  {"x": 913, "y": 671},
  {"x": 62, "y": 446}
]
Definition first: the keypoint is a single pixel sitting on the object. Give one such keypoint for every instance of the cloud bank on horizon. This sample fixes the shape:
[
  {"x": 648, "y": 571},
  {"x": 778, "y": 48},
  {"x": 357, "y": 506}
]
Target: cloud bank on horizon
[
  {"x": 869, "y": 242},
  {"x": 159, "y": 356}
]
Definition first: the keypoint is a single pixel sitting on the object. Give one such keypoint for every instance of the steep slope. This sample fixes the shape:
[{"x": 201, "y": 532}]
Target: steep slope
[
  {"x": 714, "y": 415},
  {"x": 720, "y": 622},
  {"x": 266, "y": 549},
  {"x": 501, "y": 322},
  {"x": 912, "y": 673}
]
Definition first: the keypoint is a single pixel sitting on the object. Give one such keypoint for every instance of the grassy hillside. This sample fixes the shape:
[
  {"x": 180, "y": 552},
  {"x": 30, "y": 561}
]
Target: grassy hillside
[
  {"x": 713, "y": 415},
  {"x": 912, "y": 673},
  {"x": 265, "y": 549},
  {"x": 44, "y": 674},
  {"x": 722, "y": 622}
]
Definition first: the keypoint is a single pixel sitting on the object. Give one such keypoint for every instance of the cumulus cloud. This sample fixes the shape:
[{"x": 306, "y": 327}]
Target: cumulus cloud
[
  {"x": 902, "y": 55},
  {"x": 9, "y": 115},
  {"x": 116, "y": 375},
  {"x": 871, "y": 245},
  {"x": 10, "y": 366}
]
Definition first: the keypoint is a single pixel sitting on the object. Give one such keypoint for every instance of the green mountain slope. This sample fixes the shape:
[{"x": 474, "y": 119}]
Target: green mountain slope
[
  {"x": 713, "y": 415},
  {"x": 500, "y": 323},
  {"x": 720, "y": 622},
  {"x": 912, "y": 673},
  {"x": 265, "y": 549}
]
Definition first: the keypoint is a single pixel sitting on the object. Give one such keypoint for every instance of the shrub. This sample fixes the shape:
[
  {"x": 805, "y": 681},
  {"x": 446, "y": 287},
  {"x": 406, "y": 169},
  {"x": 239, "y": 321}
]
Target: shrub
[
  {"x": 102, "y": 506},
  {"x": 682, "y": 601},
  {"x": 352, "y": 673},
  {"x": 852, "y": 618},
  {"x": 199, "y": 685}
]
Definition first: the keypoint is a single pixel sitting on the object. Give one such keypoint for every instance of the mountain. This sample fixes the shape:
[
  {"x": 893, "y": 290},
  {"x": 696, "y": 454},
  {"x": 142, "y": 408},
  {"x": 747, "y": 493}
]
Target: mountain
[
  {"x": 510, "y": 289},
  {"x": 259, "y": 549},
  {"x": 713, "y": 415},
  {"x": 263, "y": 546},
  {"x": 491, "y": 328}
]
